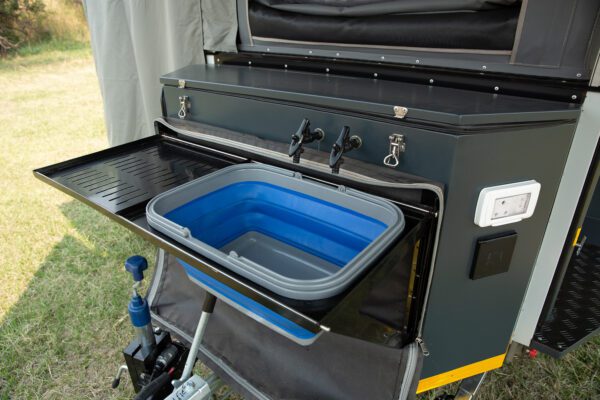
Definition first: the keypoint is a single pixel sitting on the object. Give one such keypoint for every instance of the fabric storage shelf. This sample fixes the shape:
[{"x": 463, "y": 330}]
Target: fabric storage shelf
[{"x": 298, "y": 238}]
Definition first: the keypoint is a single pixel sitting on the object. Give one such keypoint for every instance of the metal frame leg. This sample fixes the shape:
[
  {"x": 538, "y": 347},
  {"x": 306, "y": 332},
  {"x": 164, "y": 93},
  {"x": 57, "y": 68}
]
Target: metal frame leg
[
  {"x": 207, "y": 309},
  {"x": 514, "y": 349},
  {"x": 469, "y": 387}
]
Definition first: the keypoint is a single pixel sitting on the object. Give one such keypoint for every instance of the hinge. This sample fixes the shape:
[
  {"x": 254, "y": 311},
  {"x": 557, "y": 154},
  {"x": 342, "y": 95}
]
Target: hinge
[
  {"x": 421, "y": 344},
  {"x": 579, "y": 246},
  {"x": 400, "y": 112}
]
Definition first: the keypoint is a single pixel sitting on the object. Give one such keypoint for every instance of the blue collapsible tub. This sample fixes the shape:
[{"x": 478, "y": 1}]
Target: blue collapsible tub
[{"x": 298, "y": 238}]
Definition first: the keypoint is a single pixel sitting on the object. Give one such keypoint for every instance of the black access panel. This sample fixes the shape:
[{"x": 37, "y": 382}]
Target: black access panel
[{"x": 493, "y": 255}]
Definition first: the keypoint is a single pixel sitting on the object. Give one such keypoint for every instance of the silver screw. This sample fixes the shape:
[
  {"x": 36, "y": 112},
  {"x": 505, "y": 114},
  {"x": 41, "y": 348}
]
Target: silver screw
[
  {"x": 417, "y": 61},
  {"x": 249, "y": 62},
  {"x": 285, "y": 66},
  {"x": 310, "y": 52},
  {"x": 579, "y": 74},
  {"x": 375, "y": 74},
  {"x": 326, "y": 69},
  {"x": 268, "y": 49},
  {"x": 574, "y": 97},
  {"x": 337, "y": 54},
  {"x": 496, "y": 88},
  {"x": 484, "y": 67},
  {"x": 431, "y": 81},
  {"x": 382, "y": 57},
  {"x": 218, "y": 60}
]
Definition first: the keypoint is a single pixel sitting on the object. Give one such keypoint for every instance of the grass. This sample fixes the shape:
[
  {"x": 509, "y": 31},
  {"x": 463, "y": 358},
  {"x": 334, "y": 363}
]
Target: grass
[
  {"x": 574, "y": 377},
  {"x": 59, "y": 24},
  {"x": 65, "y": 21},
  {"x": 47, "y": 52},
  {"x": 63, "y": 290}
]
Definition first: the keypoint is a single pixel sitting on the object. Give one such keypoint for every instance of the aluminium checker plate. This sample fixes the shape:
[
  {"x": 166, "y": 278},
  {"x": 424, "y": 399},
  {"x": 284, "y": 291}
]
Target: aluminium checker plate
[{"x": 576, "y": 314}]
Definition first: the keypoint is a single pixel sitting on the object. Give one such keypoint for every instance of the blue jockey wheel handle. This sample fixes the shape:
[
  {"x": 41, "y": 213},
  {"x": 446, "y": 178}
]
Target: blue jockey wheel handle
[
  {"x": 136, "y": 265},
  {"x": 139, "y": 311}
]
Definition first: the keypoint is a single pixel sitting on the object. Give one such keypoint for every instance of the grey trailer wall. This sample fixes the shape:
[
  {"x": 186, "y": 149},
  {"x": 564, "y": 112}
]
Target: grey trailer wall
[{"x": 467, "y": 320}]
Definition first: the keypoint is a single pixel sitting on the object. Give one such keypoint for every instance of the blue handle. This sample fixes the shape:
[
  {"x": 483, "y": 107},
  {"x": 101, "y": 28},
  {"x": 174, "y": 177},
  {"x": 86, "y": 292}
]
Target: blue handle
[{"x": 136, "y": 265}]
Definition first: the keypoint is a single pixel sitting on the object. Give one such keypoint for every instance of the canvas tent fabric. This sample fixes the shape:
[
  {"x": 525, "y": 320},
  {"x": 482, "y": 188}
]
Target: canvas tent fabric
[
  {"x": 135, "y": 42},
  {"x": 478, "y": 30},
  {"x": 219, "y": 25},
  {"x": 362, "y": 8}
]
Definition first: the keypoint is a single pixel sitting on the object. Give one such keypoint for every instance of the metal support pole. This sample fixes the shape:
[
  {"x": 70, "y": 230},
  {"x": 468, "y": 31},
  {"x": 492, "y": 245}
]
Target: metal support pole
[
  {"x": 469, "y": 387},
  {"x": 122, "y": 369},
  {"x": 207, "y": 309}
]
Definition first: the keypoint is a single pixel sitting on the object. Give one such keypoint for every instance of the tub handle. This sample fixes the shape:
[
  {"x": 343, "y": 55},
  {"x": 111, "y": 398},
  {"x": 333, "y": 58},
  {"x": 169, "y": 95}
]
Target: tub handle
[
  {"x": 172, "y": 227},
  {"x": 243, "y": 260}
]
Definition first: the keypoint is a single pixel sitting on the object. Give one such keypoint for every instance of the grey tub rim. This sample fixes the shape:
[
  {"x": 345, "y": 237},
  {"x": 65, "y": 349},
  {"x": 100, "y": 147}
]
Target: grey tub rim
[{"x": 299, "y": 289}]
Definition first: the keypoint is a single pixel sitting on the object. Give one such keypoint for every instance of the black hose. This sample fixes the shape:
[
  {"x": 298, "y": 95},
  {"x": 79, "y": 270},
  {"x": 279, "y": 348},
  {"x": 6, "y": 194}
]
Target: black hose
[{"x": 150, "y": 389}]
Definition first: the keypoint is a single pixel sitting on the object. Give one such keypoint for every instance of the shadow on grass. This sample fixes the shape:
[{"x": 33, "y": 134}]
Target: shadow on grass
[{"x": 62, "y": 339}]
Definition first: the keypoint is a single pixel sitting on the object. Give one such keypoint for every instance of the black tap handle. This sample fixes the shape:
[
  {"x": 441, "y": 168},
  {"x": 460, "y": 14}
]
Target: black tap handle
[
  {"x": 297, "y": 140},
  {"x": 343, "y": 144},
  {"x": 302, "y": 136},
  {"x": 337, "y": 150}
]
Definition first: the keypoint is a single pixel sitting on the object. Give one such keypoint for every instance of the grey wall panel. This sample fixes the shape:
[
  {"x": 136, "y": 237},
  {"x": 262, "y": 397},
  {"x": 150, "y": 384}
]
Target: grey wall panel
[
  {"x": 473, "y": 320},
  {"x": 431, "y": 104},
  {"x": 276, "y": 121}
]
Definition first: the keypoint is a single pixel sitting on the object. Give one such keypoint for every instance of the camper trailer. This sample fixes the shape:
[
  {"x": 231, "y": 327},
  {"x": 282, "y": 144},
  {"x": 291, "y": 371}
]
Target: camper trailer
[{"x": 362, "y": 199}]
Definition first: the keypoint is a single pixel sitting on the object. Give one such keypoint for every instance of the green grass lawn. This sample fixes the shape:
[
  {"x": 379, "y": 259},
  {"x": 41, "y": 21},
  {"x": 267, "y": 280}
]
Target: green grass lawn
[
  {"x": 63, "y": 293},
  {"x": 63, "y": 316}
]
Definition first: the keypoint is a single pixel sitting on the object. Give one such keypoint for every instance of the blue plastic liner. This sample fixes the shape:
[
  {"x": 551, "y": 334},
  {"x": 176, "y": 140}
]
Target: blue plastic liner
[
  {"x": 317, "y": 227},
  {"x": 296, "y": 237}
]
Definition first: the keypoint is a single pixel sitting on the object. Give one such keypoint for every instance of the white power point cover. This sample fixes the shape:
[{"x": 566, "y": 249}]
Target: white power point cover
[{"x": 505, "y": 204}]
